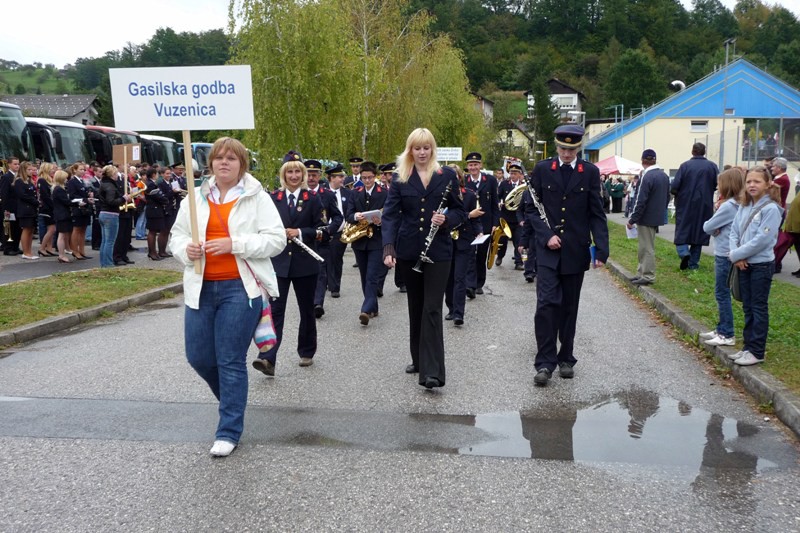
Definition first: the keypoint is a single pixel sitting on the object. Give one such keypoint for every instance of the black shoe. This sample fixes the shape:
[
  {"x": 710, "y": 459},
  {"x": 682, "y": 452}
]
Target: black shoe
[
  {"x": 262, "y": 365},
  {"x": 529, "y": 279},
  {"x": 479, "y": 290},
  {"x": 458, "y": 321},
  {"x": 318, "y": 311},
  {"x": 498, "y": 261},
  {"x": 566, "y": 371},
  {"x": 132, "y": 248},
  {"x": 380, "y": 293},
  {"x": 634, "y": 279},
  {"x": 685, "y": 262},
  {"x": 334, "y": 294},
  {"x": 120, "y": 263},
  {"x": 778, "y": 270},
  {"x": 642, "y": 281},
  {"x": 403, "y": 288},
  {"x": 411, "y": 369},
  {"x": 519, "y": 267},
  {"x": 129, "y": 261},
  {"x": 95, "y": 248},
  {"x": 431, "y": 382},
  {"x": 448, "y": 316},
  {"x": 355, "y": 265},
  {"x": 364, "y": 318},
  {"x": 542, "y": 377},
  {"x": 796, "y": 273},
  {"x": 471, "y": 294},
  {"x": 10, "y": 252}
]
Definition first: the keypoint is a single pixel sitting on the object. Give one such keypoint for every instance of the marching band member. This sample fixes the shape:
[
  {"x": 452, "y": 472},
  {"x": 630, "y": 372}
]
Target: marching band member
[
  {"x": 485, "y": 188},
  {"x": 368, "y": 249},
  {"x": 301, "y": 214},
  {"x": 332, "y": 219},
  {"x": 417, "y": 198},
  {"x": 343, "y": 197},
  {"x": 463, "y": 254},
  {"x": 505, "y": 187}
]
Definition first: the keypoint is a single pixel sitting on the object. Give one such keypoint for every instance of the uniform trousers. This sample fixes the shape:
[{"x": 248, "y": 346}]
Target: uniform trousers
[
  {"x": 425, "y": 295},
  {"x": 530, "y": 264},
  {"x": 557, "y": 298},
  {"x": 334, "y": 266},
  {"x": 504, "y": 244},
  {"x": 456, "y": 295},
  {"x": 307, "y": 333},
  {"x": 123, "y": 241},
  {"x": 372, "y": 270},
  {"x": 323, "y": 249},
  {"x": 478, "y": 276}
]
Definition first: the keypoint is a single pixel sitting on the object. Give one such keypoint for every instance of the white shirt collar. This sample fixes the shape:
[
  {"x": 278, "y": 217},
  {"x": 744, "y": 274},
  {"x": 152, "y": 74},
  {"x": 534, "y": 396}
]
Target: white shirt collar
[
  {"x": 574, "y": 161},
  {"x": 233, "y": 193}
]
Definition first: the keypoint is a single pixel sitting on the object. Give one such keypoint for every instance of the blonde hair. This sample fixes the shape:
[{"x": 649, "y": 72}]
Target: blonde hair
[
  {"x": 44, "y": 171},
  {"x": 229, "y": 144},
  {"x": 731, "y": 183},
  {"x": 108, "y": 171},
  {"x": 405, "y": 161},
  {"x": 459, "y": 172},
  {"x": 293, "y": 165},
  {"x": 60, "y": 178}
]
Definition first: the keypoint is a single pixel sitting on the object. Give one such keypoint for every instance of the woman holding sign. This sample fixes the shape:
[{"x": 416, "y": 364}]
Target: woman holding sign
[{"x": 239, "y": 231}]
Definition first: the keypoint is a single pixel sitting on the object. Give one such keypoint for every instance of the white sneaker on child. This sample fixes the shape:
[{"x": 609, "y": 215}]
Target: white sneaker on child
[
  {"x": 721, "y": 340},
  {"x": 222, "y": 448},
  {"x": 748, "y": 359},
  {"x": 708, "y": 335}
]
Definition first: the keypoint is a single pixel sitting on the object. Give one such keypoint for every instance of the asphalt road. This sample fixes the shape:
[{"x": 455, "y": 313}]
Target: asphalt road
[{"x": 106, "y": 428}]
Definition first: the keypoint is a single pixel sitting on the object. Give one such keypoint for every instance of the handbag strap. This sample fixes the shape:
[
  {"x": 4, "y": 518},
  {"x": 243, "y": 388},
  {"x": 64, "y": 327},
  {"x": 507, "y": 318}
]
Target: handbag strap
[
  {"x": 753, "y": 214},
  {"x": 224, "y": 225}
]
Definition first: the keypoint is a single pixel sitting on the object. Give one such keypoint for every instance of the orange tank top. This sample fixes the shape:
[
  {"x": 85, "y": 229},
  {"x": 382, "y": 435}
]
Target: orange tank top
[{"x": 219, "y": 267}]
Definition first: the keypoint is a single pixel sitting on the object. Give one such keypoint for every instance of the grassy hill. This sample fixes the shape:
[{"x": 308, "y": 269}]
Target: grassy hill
[{"x": 49, "y": 81}]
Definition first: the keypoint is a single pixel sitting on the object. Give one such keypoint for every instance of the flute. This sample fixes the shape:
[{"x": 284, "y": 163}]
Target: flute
[{"x": 308, "y": 250}]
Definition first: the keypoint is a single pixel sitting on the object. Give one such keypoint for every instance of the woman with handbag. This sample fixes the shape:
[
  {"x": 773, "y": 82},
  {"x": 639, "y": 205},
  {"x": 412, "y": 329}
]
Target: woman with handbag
[
  {"x": 754, "y": 233},
  {"x": 239, "y": 230}
]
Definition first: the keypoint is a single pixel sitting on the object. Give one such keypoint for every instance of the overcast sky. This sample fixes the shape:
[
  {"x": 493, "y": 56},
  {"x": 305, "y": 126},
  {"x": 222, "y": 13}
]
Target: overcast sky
[{"x": 90, "y": 28}]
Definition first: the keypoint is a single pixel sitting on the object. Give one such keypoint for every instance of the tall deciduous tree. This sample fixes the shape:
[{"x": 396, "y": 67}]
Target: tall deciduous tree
[{"x": 634, "y": 80}]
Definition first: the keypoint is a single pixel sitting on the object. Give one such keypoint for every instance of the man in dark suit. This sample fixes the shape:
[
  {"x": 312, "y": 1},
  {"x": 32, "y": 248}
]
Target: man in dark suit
[
  {"x": 568, "y": 190},
  {"x": 485, "y": 188},
  {"x": 463, "y": 254},
  {"x": 343, "y": 197},
  {"x": 693, "y": 187},
  {"x": 649, "y": 206},
  {"x": 332, "y": 220},
  {"x": 354, "y": 179},
  {"x": 369, "y": 249},
  {"x": 503, "y": 189},
  {"x": 9, "y": 205}
]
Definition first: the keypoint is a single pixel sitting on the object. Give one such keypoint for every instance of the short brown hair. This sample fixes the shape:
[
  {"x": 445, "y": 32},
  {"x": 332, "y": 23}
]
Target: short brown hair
[{"x": 229, "y": 144}]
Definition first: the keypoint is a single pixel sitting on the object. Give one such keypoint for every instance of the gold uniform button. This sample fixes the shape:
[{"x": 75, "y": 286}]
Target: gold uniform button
[
  {"x": 422, "y": 200},
  {"x": 564, "y": 198},
  {"x": 422, "y": 219},
  {"x": 422, "y": 210},
  {"x": 421, "y": 229},
  {"x": 562, "y": 231},
  {"x": 563, "y": 208},
  {"x": 290, "y": 253},
  {"x": 562, "y": 220}
]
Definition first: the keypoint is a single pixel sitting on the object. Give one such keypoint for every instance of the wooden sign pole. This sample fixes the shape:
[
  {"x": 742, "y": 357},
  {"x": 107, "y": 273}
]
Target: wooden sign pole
[{"x": 187, "y": 162}]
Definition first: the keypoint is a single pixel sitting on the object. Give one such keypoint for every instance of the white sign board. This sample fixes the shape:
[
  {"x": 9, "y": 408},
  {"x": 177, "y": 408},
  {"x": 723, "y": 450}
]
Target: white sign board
[
  {"x": 182, "y": 98},
  {"x": 444, "y": 153}
]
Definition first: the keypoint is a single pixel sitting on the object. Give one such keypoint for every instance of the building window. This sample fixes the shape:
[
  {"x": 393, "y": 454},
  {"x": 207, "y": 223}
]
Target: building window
[
  {"x": 699, "y": 126},
  {"x": 730, "y": 111}
]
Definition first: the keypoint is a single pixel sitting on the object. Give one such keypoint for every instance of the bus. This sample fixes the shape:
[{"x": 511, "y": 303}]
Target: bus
[
  {"x": 15, "y": 136},
  {"x": 103, "y": 139},
  {"x": 160, "y": 150},
  {"x": 60, "y": 141}
]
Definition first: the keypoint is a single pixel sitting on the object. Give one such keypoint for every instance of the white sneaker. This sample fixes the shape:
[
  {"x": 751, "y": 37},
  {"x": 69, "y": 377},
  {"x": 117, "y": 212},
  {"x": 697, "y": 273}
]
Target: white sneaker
[
  {"x": 748, "y": 359},
  {"x": 222, "y": 448},
  {"x": 721, "y": 340},
  {"x": 708, "y": 335},
  {"x": 735, "y": 356}
]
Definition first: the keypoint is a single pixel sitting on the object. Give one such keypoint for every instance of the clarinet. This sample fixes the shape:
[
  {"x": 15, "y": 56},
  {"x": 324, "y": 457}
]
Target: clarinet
[
  {"x": 536, "y": 201},
  {"x": 307, "y": 249},
  {"x": 423, "y": 256}
]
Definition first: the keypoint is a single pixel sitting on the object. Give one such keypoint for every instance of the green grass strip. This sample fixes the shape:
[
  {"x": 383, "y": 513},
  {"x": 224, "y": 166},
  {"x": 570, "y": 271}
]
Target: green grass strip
[
  {"x": 693, "y": 291},
  {"x": 29, "y": 301}
]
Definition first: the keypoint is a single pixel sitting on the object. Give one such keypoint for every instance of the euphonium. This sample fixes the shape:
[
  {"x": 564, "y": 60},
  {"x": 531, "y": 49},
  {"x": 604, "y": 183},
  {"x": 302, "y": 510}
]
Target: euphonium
[
  {"x": 513, "y": 199},
  {"x": 353, "y": 232},
  {"x": 498, "y": 232}
]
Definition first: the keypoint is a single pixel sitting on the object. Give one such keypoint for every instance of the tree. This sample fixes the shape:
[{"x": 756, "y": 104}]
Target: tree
[
  {"x": 19, "y": 89},
  {"x": 546, "y": 116},
  {"x": 634, "y": 80}
]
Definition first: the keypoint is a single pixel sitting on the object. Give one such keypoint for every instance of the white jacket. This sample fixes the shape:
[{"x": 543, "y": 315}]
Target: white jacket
[{"x": 256, "y": 231}]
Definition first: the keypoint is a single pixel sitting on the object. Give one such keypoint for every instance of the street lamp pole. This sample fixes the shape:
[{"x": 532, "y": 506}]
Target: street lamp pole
[
  {"x": 616, "y": 107},
  {"x": 727, "y": 43},
  {"x": 544, "y": 148}
]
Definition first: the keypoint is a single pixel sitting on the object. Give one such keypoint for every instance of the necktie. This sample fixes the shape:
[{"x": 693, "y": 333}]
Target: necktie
[{"x": 291, "y": 202}]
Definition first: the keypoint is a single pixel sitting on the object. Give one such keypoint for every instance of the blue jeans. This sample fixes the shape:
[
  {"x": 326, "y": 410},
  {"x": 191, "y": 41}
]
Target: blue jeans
[
  {"x": 755, "y": 282},
  {"x": 141, "y": 226},
  {"x": 109, "y": 226},
  {"x": 693, "y": 251},
  {"x": 723, "y": 294},
  {"x": 217, "y": 336}
]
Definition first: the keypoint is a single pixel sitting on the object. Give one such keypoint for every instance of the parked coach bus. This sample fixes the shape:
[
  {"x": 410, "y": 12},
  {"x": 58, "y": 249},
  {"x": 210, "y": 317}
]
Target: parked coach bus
[
  {"x": 103, "y": 139},
  {"x": 15, "y": 138},
  {"x": 60, "y": 141},
  {"x": 160, "y": 150}
]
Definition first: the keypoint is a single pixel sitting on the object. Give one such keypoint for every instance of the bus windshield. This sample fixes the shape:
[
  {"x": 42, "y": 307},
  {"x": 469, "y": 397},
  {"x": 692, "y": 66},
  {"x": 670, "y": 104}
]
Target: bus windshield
[
  {"x": 12, "y": 129},
  {"x": 74, "y": 143}
]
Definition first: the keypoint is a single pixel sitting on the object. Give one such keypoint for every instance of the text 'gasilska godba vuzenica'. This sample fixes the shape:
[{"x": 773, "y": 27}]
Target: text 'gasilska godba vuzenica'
[{"x": 197, "y": 91}]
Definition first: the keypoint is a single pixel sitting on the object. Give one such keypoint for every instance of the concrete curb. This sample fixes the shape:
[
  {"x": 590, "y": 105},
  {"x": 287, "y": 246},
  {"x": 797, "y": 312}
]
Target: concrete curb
[
  {"x": 49, "y": 326},
  {"x": 763, "y": 386}
]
